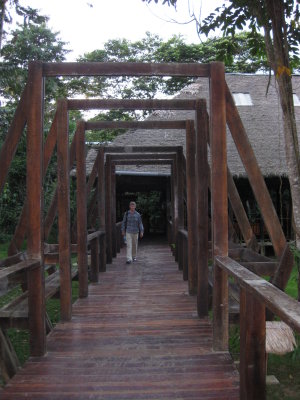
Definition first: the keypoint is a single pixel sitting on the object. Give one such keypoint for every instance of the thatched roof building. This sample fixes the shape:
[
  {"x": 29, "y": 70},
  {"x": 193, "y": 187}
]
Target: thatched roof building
[{"x": 260, "y": 112}]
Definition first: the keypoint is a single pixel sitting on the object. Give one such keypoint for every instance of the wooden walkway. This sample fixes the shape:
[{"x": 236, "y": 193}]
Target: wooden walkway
[{"x": 137, "y": 336}]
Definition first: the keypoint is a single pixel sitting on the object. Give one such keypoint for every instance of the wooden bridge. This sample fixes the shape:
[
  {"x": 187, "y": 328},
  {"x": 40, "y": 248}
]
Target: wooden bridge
[
  {"x": 136, "y": 336},
  {"x": 139, "y": 332}
]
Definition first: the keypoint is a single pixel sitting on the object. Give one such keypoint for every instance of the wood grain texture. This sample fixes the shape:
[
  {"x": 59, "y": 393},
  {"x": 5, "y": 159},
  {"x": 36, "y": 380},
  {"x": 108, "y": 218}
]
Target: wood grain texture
[{"x": 137, "y": 336}]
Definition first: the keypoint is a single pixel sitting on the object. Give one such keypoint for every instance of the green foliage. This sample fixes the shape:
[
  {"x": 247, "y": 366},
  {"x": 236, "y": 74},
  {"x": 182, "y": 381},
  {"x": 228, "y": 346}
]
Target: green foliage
[
  {"x": 236, "y": 16},
  {"x": 108, "y": 135},
  {"x": 29, "y": 42},
  {"x": 239, "y": 53},
  {"x": 153, "y": 210},
  {"x": 253, "y": 16}
]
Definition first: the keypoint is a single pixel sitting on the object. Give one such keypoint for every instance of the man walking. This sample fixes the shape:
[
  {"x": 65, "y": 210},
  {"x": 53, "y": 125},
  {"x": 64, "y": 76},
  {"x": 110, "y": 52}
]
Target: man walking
[{"x": 132, "y": 226}]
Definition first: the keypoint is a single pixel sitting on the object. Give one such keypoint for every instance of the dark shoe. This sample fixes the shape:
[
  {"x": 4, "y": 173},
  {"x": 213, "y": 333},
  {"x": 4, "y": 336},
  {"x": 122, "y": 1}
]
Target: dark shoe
[{"x": 128, "y": 262}]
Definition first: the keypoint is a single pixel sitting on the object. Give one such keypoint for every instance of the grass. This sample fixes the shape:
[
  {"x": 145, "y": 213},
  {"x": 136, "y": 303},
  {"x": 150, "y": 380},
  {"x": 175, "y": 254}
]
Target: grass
[{"x": 20, "y": 338}]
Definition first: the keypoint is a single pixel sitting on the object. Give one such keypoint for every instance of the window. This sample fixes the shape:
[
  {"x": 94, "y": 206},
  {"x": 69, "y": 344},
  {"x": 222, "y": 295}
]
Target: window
[
  {"x": 242, "y": 99},
  {"x": 296, "y": 100}
]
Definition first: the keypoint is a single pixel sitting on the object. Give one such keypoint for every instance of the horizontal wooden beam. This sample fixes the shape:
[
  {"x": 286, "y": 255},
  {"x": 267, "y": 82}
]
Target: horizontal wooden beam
[
  {"x": 131, "y": 104},
  {"x": 125, "y": 69},
  {"x": 93, "y": 125},
  {"x": 143, "y": 162},
  {"x": 141, "y": 149},
  {"x": 261, "y": 268},
  {"x": 139, "y": 157}
]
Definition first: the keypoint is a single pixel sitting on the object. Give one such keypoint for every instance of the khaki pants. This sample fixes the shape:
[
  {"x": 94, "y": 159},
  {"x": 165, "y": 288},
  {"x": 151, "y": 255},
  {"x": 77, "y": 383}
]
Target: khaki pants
[{"x": 132, "y": 244}]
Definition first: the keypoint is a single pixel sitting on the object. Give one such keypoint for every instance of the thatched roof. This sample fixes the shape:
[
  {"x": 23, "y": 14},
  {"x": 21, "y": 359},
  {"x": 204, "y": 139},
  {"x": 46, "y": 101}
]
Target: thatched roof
[{"x": 262, "y": 121}]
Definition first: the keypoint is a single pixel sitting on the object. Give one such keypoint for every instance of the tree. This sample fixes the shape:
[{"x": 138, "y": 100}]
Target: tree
[
  {"x": 8, "y": 7},
  {"x": 28, "y": 42},
  {"x": 239, "y": 55},
  {"x": 279, "y": 21}
]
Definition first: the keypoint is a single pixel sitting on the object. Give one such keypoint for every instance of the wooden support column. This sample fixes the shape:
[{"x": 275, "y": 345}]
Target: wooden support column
[
  {"x": 63, "y": 186},
  {"x": 52, "y": 210},
  {"x": 81, "y": 210},
  {"x": 172, "y": 209},
  {"x": 202, "y": 208},
  {"x": 180, "y": 167},
  {"x": 219, "y": 203},
  {"x": 175, "y": 200},
  {"x": 256, "y": 179},
  {"x": 191, "y": 192},
  {"x": 113, "y": 210},
  {"x": 240, "y": 214},
  {"x": 108, "y": 209},
  {"x": 34, "y": 189},
  {"x": 101, "y": 208},
  {"x": 253, "y": 347},
  {"x": 95, "y": 259}
]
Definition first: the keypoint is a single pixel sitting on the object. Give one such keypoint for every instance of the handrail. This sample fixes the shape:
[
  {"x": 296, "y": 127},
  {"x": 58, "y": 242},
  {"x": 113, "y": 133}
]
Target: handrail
[
  {"x": 256, "y": 294},
  {"x": 278, "y": 302}
]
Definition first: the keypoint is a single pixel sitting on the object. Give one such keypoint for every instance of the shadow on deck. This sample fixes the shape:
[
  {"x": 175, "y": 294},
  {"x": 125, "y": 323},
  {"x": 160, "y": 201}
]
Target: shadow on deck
[{"x": 137, "y": 336}]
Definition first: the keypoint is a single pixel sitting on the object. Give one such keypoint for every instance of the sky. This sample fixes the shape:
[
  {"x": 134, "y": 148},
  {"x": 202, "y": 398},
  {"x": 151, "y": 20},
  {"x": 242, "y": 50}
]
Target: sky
[{"x": 87, "y": 24}]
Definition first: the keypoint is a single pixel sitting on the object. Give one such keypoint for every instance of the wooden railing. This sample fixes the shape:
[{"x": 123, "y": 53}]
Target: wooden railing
[{"x": 257, "y": 295}]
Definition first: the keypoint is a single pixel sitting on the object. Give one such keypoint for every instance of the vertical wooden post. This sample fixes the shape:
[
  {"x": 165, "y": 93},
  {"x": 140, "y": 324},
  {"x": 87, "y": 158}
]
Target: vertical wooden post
[
  {"x": 253, "y": 347},
  {"x": 34, "y": 188},
  {"x": 108, "y": 209},
  {"x": 101, "y": 209},
  {"x": 81, "y": 211},
  {"x": 219, "y": 203},
  {"x": 180, "y": 250},
  {"x": 202, "y": 206},
  {"x": 63, "y": 186},
  {"x": 172, "y": 234},
  {"x": 180, "y": 162},
  {"x": 175, "y": 200},
  {"x": 191, "y": 206},
  {"x": 185, "y": 274},
  {"x": 113, "y": 210},
  {"x": 95, "y": 259}
]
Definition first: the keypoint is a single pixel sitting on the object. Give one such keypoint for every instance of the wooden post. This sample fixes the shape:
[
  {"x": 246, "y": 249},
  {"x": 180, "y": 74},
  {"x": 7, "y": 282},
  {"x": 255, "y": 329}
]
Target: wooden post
[
  {"x": 81, "y": 211},
  {"x": 172, "y": 192},
  {"x": 253, "y": 347},
  {"x": 191, "y": 193},
  {"x": 240, "y": 214},
  {"x": 255, "y": 177},
  {"x": 101, "y": 209},
  {"x": 180, "y": 162},
  {"x": 95, "y": 259},
  {"x": 63, "y": 186},
  {"x": 175, "y": 200},
  {"x": 113, "y": 210},
  {"x": 34, "y": 189},
  {"x": 202, "y": 206},
  {"x": 180, "y": 250},
  {"x": 185, "y": 274},
  {"x": 219, "y": 203},
  {"x": 108, "y": 209}
]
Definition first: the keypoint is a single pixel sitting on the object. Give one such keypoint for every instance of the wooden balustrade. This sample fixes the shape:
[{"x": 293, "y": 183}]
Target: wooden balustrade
[{"x": 256, "y": 294}]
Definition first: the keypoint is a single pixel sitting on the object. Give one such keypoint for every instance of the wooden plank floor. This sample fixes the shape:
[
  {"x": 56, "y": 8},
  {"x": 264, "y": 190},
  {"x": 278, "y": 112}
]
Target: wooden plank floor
[{"x": 137, "y": 336}]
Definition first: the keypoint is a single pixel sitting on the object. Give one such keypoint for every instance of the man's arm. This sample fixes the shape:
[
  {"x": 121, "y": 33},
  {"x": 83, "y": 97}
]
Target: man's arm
[{"x": 141, "y": 227}]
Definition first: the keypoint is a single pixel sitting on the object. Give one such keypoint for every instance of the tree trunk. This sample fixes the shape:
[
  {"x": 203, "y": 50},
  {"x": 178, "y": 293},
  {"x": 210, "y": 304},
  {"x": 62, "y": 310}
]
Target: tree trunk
[{"x": 278, "y": 56}]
